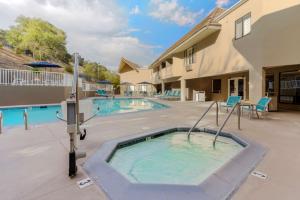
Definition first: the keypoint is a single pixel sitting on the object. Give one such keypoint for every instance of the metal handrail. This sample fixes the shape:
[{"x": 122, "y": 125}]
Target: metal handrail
[
  {"x": 204, "y": 114},
  {"x": 237, "y": 105},
  {"x": 25, "y": 115},
  {"x": 1, "y": 121},
  {"x": 94, "y": 115}
]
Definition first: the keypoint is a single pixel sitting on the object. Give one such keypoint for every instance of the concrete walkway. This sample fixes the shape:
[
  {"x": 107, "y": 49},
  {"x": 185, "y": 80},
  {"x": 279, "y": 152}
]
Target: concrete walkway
[{"x": 34, "y": 163}]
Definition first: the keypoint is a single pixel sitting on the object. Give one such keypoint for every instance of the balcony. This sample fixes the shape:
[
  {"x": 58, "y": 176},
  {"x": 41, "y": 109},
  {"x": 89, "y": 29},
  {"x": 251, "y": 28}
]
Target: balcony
[{"x": 155, "y": 77}]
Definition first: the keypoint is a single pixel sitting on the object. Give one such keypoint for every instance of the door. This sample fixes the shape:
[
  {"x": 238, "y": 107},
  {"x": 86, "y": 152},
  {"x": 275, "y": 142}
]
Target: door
[{"x": 237, "y": 87}]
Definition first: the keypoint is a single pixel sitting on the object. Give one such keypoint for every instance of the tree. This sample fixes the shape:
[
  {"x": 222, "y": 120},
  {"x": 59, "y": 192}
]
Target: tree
[
  {"x": 2, "y": 37},
  {"x": 43, "y": 39},
  {"x": 97, "y": 71}
]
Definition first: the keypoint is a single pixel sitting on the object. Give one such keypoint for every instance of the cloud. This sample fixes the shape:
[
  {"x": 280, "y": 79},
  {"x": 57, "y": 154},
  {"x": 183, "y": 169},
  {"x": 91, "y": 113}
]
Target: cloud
[
  {"x": 221, "y": 3},
  {"x": 171, "y": 11},
  {"x": 97, "y": 29},
  {"x": 135, "y": 10}
]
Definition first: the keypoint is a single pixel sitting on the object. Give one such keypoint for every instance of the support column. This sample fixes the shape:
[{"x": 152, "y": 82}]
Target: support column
[
  {"x": 256, "y": 84},
  {"x": 162, "y": 87},
  {"x": 183, "y": 89}
]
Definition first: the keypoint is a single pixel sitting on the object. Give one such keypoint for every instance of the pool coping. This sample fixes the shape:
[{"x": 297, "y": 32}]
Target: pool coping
[{"x": 220, "y": 185}]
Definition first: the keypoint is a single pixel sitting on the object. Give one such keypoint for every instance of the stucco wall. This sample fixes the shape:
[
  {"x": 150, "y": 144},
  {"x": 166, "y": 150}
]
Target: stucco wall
[{"x": 135, "y": 77}]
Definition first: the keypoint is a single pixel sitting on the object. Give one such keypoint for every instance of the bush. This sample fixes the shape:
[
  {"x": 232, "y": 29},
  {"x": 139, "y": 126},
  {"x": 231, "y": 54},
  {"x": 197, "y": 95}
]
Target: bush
[
  {"x": 1, "y": 46},
  {"x": 69, "y": 69}
]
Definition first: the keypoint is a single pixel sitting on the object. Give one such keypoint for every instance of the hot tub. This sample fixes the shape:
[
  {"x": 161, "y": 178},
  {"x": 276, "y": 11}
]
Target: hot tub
[{"x": 166, "y": 164}]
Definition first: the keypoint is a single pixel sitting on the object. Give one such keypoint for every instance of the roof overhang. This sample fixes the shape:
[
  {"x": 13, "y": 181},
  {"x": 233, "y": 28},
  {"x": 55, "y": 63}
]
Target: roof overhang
[
  {"x": 195, "y": 38},
  {"x": 124, "y": 63}
]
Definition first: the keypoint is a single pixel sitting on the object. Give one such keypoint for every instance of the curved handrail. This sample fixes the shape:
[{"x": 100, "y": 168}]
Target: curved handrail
[
  {"x": 98, "y": 110},
  {"x": 237, "y": 105},
  {"x": 204, "y": 114},
  {"x": 60, "y": 118}
]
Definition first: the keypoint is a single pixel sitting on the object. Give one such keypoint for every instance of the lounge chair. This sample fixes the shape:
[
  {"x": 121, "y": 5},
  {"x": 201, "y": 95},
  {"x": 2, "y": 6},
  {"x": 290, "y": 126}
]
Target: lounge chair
[
  {"x": 166, "y": 93},
  {"x": 231, "y": 101},
  {"x": 261, "y": 106},
  {"x": 102, "y": 93},
  {"x": 175, "y": 96}
]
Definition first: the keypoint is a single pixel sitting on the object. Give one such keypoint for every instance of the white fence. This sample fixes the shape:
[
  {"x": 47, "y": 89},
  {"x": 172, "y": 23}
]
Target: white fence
[
  {"x": 95, "y": 87},
  {"x": 34, "y": 78},
  {"x": 41, "y": 78}
]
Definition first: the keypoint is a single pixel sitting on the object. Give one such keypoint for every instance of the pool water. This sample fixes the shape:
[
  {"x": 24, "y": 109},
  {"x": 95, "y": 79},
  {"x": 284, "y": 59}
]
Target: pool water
[
  {"x": 125, "y": 105},
  {"x": 45, "y": 114},
  {"x": 36, "y": 115},
  {"x": 172, "y": 159}
]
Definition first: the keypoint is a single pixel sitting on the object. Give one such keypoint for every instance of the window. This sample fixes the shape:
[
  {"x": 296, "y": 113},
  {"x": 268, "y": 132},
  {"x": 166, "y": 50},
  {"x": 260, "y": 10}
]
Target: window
[
  {"x": 216, "y": 86},
  {"x": 163, "y": 65},
  {"x": 243, "y": 26},
  {"x": 289, "y": 87},
  {"x": 189, "y": 56}
]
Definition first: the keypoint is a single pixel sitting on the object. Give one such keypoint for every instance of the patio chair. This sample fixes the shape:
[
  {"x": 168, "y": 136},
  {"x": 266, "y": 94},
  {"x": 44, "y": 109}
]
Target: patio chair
[
  {"x": 261, "y": 106},
  {"x": 167, "y": 93},
  {"x": 101, "y": 93},
  {"x": 231, "y": 101},
  {"x": 176, "y": 95}
]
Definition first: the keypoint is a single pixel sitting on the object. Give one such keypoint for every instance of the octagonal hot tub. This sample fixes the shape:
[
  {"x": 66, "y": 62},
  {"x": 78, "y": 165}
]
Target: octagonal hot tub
[{"x": 167, "y": 165}]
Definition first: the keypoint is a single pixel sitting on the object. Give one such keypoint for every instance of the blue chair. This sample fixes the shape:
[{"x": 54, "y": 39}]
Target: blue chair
[
  {"x": 231, "y": 101},
  {"x": 101, "y": 93},
  {"x": 261, "y": 106},
  {"x": 166, "y": 94}
]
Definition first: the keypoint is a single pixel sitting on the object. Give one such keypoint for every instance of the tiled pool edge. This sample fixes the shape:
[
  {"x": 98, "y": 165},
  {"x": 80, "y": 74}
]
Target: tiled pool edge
[{"x": 220, "y": 185}]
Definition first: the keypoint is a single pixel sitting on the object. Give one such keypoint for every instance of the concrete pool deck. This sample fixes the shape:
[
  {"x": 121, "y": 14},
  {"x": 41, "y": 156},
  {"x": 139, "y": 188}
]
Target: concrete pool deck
[{"x": 34, "y": 163}]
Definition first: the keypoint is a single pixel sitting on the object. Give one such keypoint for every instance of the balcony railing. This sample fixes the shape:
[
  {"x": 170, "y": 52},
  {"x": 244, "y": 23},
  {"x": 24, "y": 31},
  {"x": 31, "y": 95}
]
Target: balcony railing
[
  {"x": 166, "y": 72},
  {"x": 34, "y": 78}
]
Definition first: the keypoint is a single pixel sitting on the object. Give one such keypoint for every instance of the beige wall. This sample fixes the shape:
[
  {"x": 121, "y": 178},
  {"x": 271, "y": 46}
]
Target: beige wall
[
  {"x": 135, "y": 77},
  {"x": 274, "y": 40},
  {"x": 205, "y": 84},
  {"x": 27, "y": 95}
]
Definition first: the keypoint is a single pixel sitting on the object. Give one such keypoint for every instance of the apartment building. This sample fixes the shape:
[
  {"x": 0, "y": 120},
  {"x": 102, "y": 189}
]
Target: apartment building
[
  {"x": 135, "y": 80},
  {"x": 251, "y": 50}
]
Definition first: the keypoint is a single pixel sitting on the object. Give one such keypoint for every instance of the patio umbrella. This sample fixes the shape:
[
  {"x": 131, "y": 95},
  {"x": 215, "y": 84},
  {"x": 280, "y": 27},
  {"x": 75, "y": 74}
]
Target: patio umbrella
[
  {"x": 126, "y": 83},
  {"x": 104, "y": 82},
  {"x": 145, "y": 83},
  {"x": 43, "y": 64}
]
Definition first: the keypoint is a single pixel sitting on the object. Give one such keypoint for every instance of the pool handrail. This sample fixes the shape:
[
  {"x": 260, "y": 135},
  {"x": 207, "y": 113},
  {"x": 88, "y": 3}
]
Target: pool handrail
[
  {"x": 25, "y": 116},
  {"x": 1, "y": 121},
  {"x": 204, "y": 114},
  {"x": 236, "y": 105}
]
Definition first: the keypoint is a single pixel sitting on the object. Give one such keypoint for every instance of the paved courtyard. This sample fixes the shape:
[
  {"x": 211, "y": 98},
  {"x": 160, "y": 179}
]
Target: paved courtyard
[{"x": 34, "y": 163}]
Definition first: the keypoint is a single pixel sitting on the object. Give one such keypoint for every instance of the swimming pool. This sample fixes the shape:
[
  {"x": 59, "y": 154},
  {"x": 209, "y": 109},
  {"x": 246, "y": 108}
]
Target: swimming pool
[
  {"x": 13, "y": 116},
  {"x": 172, "y": 159},
  {"x": 125, "y": 105},
  {"x": 36, "y": 115}
]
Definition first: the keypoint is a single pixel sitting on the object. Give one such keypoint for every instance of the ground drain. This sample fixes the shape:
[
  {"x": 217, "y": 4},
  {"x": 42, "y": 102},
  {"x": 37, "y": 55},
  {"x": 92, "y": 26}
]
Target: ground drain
[
  {"x": 84, "y": 183},
  {"x": 259, "y": 175}
]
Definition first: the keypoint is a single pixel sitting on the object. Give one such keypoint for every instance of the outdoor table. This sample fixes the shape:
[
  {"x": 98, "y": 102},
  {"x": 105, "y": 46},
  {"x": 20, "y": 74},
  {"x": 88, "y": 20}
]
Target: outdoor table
[{"x": 250, "y": 105}]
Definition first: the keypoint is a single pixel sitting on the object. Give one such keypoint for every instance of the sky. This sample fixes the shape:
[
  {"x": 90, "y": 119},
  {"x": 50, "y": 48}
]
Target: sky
[{"x": 106, "y": 30}]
